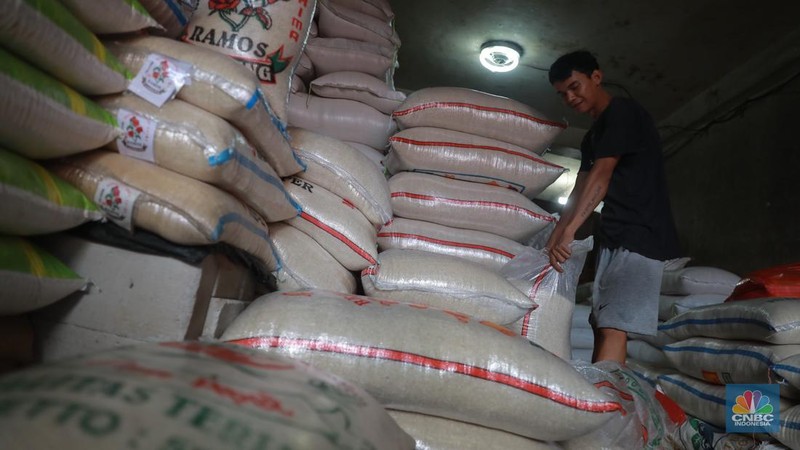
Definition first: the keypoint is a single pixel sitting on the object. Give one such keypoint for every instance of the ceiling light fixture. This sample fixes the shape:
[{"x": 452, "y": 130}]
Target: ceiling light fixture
[{"x": 500, "y": 56}]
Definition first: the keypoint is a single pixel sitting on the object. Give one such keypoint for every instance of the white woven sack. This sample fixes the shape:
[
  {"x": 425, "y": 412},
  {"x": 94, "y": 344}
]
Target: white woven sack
[
  {"x": 658, "y": 340},
  {"x": 648, "y": 372},
  {"x": 554, "y": 292},
  {"x": 200, "y": 145},
  {"x": 700, "y": 399},
  {"x": 670, "y": 306},
  {"x": 380, "y": 9},
  {"x": 193, "y": 395},
  {"x": 479, "y": 113},
  {"x": 172, "y": 15},
  {"x": 305, "y": 264},
  {"x": 438, "y": 433},
  {"x": 773, "y": 320},
  {"x": 137, "y": 194},
  {"x": 305, "y": 69},
  {"x": 461, "y": 204},
  {"x": 789, "y": 370},
  {"x": 331, "y": 55},
  {"x": 698, "y": 280},
  {"x": 334, "y": 223},
  {"x": 347, "y": 120},
  {"x": 298, "y": 85},
  {"x": 487, "y": 249},
  {"x": 44, "y": 118},
  {"x": 721, "y": 361},
  {"x": 344, "y": 171},
  {"x": 358, "y": 86},
  {"x": 221, "y": 86},
  {"x": 265, "y": 37},
  {"x": 339, "y": 21},
  {"x": 445, "y": 282},
  {"x": 789, "y": 432},
  {"x": 580, "y": 316},
  {"x": 51, "y": 38},
  {"x": 581, "y": 338},
  {"x": 374, "y": 155},
  {"x": 426, "y": 360},
  {"x": 469, "y": 157},
  {"x": 111, "y": 16},
  {"x": 647, "y": 353}
]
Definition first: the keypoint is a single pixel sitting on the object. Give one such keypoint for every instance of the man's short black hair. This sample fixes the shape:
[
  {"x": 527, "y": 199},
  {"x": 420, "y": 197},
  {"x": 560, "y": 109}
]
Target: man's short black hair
[{"x": 580, "y": 61}]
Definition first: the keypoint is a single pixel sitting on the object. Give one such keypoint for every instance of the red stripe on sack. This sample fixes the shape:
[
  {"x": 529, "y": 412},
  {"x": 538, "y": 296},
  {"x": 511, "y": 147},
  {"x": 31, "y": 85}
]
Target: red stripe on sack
[
  {"x": 478, "y": 147},
  {"x": 360, "y": 251},
  {"x": 622, "y": 394},
  {"x": 497, "y": 205},
  {"x": 425, "y": 106},
  {"x": 526, "y": 319},
  {"x": 450, "y": 243},
  {"x": 369, "y": 271},
  {"x": 433, "y": 363}
]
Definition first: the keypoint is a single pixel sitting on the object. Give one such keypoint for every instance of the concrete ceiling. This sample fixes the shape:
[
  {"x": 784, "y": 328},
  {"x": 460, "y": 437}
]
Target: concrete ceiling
[{"x": 661, "y": 53}]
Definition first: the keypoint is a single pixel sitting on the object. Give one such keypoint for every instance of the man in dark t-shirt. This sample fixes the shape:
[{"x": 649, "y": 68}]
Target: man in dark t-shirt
[{"x": 621, "y": 165}]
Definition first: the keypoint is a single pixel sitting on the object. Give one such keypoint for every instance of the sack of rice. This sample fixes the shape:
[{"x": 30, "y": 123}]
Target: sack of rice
[
  {"x": 330, "y": 55},
  {"x": 32, "y": 278},
  {"x": 44, "y": 118},
  {"x": 646, "y": 425},
  {"x": 670, "y": 306},
  {"x": 217, "y": 84},
  {"x": 698, "y": 280},
  {"x": 334, "y": 223},
  {"x": 172, "y": 15},
  {"x": 647, "y": 353},
  {"x": 305, "y": 264},
  {"x": 267, "y": 37},
  {"x": 469, "y": 157},
  {"x": 347, "y": 120},
  {"x": 720, "y": 361},
  {"x": 648, "y": 372},
  {"x": 438, "y": 433},
  {"x": 659, "y": 339},
  {"x": 788, "y": 369},
  {"x": 182, "y": 210},
  {"x": 358, "y": 86},
  {"x": 304, "y": 69},
  {"x": 789, "y": 433},
  {"x": 772, "y": 320},
  {"x": 701, "y": 399},
  {"x": 111, "y": 16},
  {"x": 344, "y": 171},
  {"x": 775, "y": 281},
  {"x": 549, "y": 324},
  {"x": 480, "y": 113},
  {"x": 461, "y": 204},
  {"x": 48, "y": 36},
  {"x": 420, "y": 359},
  {"x": 181, "y": 395},
  {"x": 340, "y": 21},
  {"x": 380, "y": 9},
  {"x": 487, "y": 249},
  {"x": 445, "y": 282},
  {"x": 191, "y": 141},
  {"x": 34, "y": 201}
]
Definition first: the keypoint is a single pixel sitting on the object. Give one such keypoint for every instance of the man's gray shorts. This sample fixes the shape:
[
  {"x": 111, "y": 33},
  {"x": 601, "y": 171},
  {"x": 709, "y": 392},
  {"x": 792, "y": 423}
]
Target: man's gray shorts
[{"x": 625, "y": 291}]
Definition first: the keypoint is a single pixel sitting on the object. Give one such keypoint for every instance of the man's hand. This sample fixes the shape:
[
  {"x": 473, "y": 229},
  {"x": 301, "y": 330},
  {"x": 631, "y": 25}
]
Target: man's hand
[{"x": 559, "y": 249}]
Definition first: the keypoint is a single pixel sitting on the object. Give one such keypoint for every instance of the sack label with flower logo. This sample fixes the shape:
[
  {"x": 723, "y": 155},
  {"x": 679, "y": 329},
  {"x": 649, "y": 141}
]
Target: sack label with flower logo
[
  {"x": 117, "y": 201},
  {"x": 138, "y": 135},
  {"x": 160, "y": 78}
]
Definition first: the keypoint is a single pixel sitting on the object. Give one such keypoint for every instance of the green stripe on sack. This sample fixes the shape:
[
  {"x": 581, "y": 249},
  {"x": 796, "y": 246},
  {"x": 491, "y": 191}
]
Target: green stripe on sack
[
  {"x": 49, "y": 86},
  {"x": 27, "y": 175},
  {"x": 138, "y": 7},
  {"x": 19, "y": 255},
  {"x": 63, "y": 18}
]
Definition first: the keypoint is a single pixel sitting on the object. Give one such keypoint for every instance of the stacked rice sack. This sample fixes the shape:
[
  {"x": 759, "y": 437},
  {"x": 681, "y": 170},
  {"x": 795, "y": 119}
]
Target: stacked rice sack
[
  {"x": 343, "y": 85},
  {"x": 743, "y": 342},
  {"x": 344, "y": 199},
  {"x": 451, "y": 234},
  {"x": 581, "y": 334},
  {"x": 682, "y": 288},
  {"x": 431, "y": 364},
  {"x": 50, "y": 65}
]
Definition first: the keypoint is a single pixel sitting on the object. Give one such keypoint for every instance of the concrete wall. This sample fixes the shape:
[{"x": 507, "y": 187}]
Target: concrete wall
[{"x": 734, "y": 189}]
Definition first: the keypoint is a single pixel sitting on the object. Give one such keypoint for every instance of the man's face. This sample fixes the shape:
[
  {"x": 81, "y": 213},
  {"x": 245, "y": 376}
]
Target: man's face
[{"x": 579, "y": 91}]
